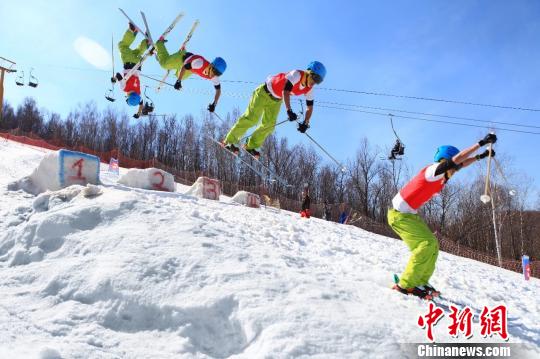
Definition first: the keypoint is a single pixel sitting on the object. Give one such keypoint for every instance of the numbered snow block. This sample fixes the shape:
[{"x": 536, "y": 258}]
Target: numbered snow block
[
  {"x": 149, "y": 178},
  {"x": 60, "y": 169},
  {"x": 205, "y": 187},
  {"x": 247, "y": 199},
  {"x": 77, "y": 168}
]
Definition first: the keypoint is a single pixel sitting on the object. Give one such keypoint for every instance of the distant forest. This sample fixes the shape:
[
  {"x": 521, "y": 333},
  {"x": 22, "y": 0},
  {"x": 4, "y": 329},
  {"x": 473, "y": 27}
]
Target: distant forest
[{"x": 364, "y": 190}]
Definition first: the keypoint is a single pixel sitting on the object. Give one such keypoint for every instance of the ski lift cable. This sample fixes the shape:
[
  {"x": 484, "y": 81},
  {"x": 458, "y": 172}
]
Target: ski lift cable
[
  {"x": 517, "y": 108},
  {"x": 339, "y": 106},
  {"x": 318, "y": 104},
  {"x": 431, "y": 120},
  {"x": 470, "y": 103},
  {"x": 374, "y": 113},
  {"x": 427, "y": 114}
]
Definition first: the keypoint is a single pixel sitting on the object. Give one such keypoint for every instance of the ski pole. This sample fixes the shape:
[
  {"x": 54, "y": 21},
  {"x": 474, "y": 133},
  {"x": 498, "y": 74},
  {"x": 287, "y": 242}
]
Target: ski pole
[
  {"x": 263, "y": 129},
  {"x": 485, "y": 198},
  {"x": 343, "y": 169},
  {"x": 218, "y": 116}
]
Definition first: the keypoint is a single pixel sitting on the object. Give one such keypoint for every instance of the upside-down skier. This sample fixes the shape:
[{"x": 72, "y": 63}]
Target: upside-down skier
[{"x": 130, "y": 58}]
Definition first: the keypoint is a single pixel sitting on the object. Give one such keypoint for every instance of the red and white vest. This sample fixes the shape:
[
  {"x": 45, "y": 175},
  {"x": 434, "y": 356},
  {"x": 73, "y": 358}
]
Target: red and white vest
[
  {"x": 132, "y": 84},
  {"x": 419, "y": 190},
  {"x": 199, "y": 65},
  {"x": 276, "y": 84}
]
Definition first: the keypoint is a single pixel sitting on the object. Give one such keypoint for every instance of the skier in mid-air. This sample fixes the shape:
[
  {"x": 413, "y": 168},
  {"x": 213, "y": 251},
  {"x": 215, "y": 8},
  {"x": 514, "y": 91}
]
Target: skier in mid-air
[
  {"x": 185, "y": 63},
  {"x": 266, "y": 102},
  {"x": 130, "y": 58},
  {"x": 405, "y": 221}
]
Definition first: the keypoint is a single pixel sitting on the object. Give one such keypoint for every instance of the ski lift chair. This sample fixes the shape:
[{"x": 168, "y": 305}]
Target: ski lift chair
[
  {"x": 148, "y": 104},
  {"x": 109, "y": 95},
  {"x": 19, "y": 80},
  {"x": 33, "y": 81}
]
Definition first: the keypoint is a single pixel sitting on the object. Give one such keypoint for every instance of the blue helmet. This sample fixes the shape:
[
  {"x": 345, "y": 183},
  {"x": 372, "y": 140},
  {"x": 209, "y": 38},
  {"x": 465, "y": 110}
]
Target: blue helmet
[
  {"x": 446, "y": 152},
  {"x": 133, "y": 99},
  {"x": 219, "y": 65},
  {"x": 318, "y": 70}
]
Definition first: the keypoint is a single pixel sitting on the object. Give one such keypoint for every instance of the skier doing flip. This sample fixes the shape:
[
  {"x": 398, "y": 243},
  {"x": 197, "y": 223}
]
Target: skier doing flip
[
  {"x": 185, "y": 63},
  {"x": 130, "y": 58}
]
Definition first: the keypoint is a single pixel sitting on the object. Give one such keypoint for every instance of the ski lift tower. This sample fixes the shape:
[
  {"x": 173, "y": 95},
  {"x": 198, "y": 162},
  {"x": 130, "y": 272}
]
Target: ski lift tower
[{"x": 5, "y": 66}]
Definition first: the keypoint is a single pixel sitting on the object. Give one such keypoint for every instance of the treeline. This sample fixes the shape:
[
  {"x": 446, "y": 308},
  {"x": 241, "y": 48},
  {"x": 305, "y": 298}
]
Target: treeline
[{"x": 364, "y": 190}]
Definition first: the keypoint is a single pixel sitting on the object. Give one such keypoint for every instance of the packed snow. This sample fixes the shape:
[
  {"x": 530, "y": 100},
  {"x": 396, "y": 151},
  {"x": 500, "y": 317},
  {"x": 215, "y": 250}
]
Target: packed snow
[{"x": 111, "y": 271}]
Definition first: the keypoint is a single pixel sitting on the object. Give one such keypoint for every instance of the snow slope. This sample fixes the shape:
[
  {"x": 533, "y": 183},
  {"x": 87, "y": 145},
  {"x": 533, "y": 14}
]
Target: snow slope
[{"x": 142, "y": 274}]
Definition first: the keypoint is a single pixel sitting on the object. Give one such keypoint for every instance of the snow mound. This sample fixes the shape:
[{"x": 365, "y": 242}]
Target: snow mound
[
  {"x": 247, "y": 199},
  {"x": 58, "y": 170},
  {"x": 205, "y": 187},
  {"x": 149, "y": 178},
  {"x": 133, "y": 273}
]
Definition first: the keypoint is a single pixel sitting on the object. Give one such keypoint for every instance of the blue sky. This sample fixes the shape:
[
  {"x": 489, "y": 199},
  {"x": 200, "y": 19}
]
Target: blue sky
[{"x": 477, "y": 51}]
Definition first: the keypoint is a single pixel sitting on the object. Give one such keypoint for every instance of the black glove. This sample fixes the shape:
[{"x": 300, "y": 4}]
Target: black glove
[
  {"x": 113, "y": 80},
  {"x": 132, "y": 27},
  {"x": 302, "y": 127},
  {"x": 118, "y": 76},
  {"x": 212, "y": 107},
  {"x": 178, "y": 85},
  {"x": 292, "y": 115},
  {"x": 484, "y": 155},
  {"x": 490, "y": 138},
  {"x": 136, "y": 115}
]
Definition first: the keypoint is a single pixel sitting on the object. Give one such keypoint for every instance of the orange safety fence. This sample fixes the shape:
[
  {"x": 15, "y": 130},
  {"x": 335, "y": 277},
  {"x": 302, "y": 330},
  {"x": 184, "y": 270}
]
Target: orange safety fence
[{"x": 317, "y": 209}]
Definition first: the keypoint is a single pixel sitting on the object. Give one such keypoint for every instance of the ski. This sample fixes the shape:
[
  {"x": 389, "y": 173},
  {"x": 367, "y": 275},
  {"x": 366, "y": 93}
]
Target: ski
[
  {"x": 162, "y": 82},
  {"x": 147, "y": 32},
  {"x": 271, "y": 174},
  {"x": 237, "y": 158},
  {"x": 190, "y": 34},
  {"x": 150, "y": 50},
  {"x": 188, "y": 37},
  {"x": 132, "y": 22}
]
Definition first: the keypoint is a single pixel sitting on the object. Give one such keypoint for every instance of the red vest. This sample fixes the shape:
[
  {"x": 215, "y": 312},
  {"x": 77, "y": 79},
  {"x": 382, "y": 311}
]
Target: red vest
[
  {"x": 279, "y": 81},
  {"x": 419, "y": 190},
  {"x": 133, "y": 84},
  {"x": 200, "y": 71}
]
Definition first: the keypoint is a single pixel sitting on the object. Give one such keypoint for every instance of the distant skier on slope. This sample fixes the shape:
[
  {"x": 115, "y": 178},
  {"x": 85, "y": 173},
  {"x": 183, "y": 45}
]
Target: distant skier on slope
[
  {"x": 185, "y": 63},
  {"x": 405, "y": 221},
  {"x": 306, "y": 203},
  {"x": 130, "y": 58},
  {"x": 266, "y": 102}
]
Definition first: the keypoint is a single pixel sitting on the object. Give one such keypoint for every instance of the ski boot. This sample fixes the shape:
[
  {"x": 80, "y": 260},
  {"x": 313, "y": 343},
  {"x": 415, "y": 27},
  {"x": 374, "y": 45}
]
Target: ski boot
[
  {"x": 419, "y": 291},
  {"x": 434, "y": 292},
  {"x": 256, "y": 154},
  {"x": 231, "y": 147}
]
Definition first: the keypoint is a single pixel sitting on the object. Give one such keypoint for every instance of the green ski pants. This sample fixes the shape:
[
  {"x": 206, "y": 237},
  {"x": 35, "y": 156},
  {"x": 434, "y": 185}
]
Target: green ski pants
[
  {"x": 127, "y": 54},
  {"x": 422, "y": 243},
  {"x": 171, "y": 61},
  {"x": 261, "y": 104}
]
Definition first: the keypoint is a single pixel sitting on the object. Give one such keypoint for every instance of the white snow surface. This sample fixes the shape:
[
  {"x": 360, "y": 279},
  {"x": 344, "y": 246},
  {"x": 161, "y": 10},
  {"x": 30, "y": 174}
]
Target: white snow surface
[{"x": 135, "y": 273}]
